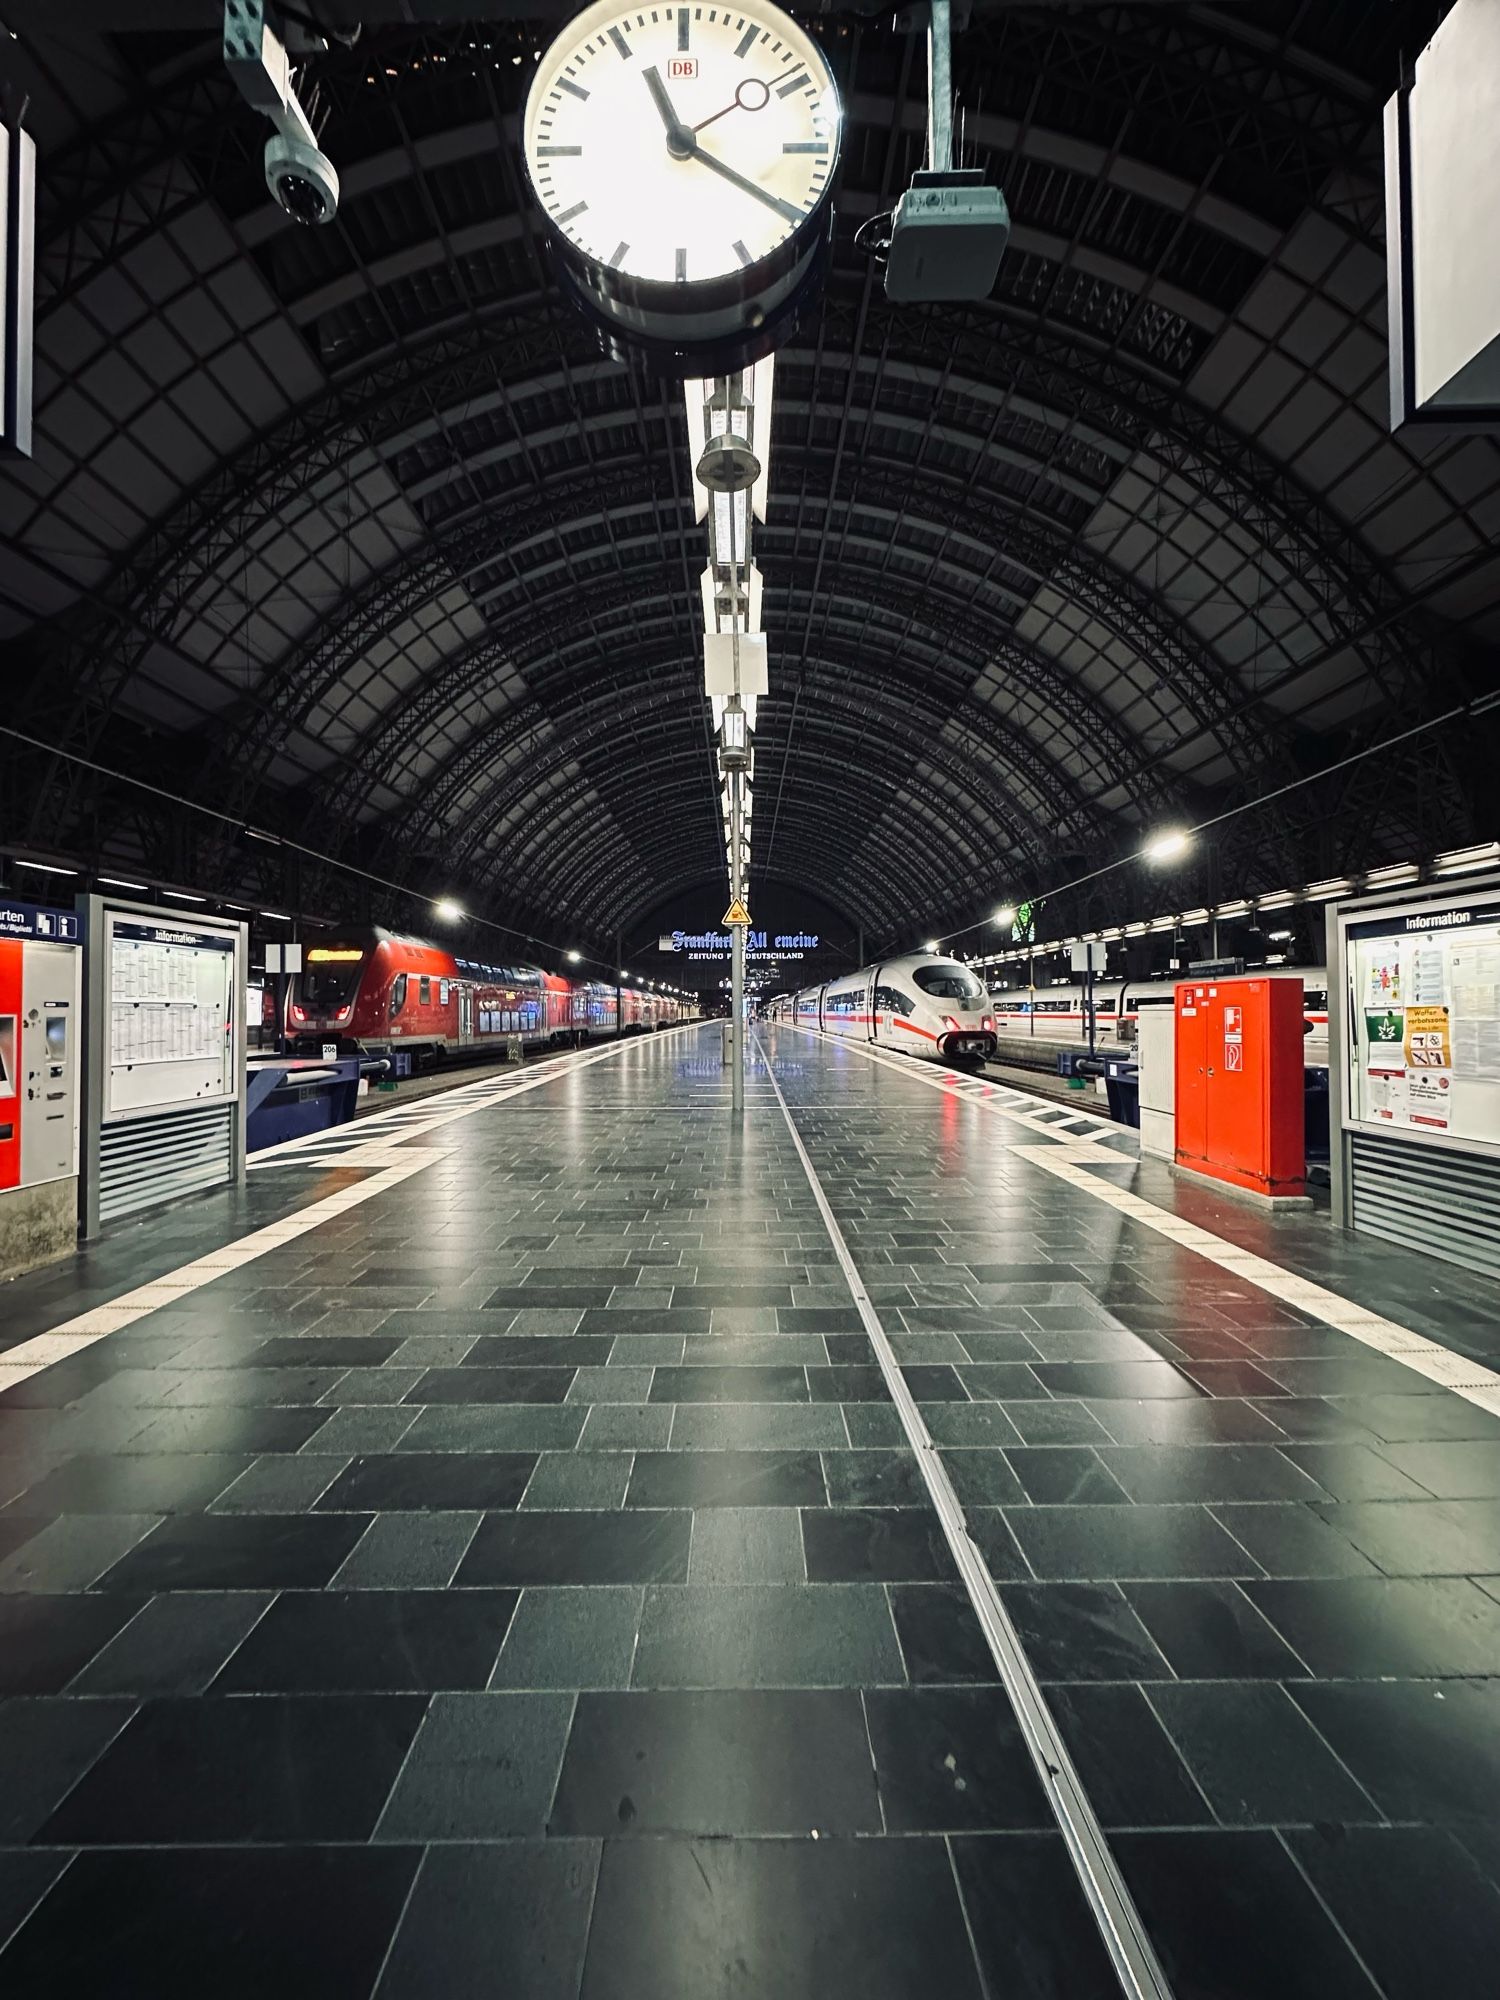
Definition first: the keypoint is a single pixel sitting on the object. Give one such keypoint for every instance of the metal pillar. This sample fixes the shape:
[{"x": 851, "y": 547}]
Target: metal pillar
[
  {"x": 939, "y": 87},
  {"x": 737, "y": 958}
]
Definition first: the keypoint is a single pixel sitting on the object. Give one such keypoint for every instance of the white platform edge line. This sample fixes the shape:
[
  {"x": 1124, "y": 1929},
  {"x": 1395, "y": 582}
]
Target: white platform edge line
[
  {"x": 405, "y": 1117},
  {"x": 914, "y": 1068},
  {"x": 30, "y": 1357},
  {"x": 1386, "y": 1336},
  {"x": 1125, "y": 1939}
]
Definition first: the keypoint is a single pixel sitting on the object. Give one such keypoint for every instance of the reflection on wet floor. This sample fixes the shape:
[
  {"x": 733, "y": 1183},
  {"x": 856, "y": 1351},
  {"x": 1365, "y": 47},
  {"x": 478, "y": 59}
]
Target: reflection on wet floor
[{"x": 521, "y": 1582}]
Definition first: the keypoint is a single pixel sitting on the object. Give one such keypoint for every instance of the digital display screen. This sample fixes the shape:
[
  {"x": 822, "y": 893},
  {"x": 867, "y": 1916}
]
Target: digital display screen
[{"x": 57, "y": 1036}]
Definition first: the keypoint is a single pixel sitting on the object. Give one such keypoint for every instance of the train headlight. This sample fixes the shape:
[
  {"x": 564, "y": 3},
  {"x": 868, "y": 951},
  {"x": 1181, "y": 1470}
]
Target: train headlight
[
  {"x": 949, "y": 1022},
  {"x": 988, "y": 1022}
]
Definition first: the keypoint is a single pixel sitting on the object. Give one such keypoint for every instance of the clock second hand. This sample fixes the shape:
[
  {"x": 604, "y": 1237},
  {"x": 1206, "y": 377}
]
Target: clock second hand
[
  {"x": 682, "y": 145},
  {"x": 739, "y": 102}
]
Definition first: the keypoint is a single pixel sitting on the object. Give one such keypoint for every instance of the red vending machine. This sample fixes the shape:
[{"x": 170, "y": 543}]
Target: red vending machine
[
  {"x": 40, "y": 1006},
  {"x": 1240, "y": 1084}
]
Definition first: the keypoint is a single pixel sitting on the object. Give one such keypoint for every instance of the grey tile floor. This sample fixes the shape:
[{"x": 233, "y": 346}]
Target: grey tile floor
[{"x": 521, "y": 1584}]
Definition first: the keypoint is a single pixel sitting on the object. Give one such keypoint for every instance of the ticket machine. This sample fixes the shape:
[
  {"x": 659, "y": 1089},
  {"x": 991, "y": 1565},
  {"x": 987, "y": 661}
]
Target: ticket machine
[{"x": 40, "y": 1071}]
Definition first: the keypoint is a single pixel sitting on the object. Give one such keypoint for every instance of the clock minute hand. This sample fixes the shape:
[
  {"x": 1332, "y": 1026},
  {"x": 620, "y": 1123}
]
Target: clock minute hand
[{"x": 782, "y": 208}]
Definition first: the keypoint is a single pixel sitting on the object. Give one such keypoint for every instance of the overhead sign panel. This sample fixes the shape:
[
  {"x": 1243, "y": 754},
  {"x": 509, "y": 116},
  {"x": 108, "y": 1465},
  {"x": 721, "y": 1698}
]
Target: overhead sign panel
[
  {"x": 1442, "y": 153},
  {"x": 33, "y": 920}
]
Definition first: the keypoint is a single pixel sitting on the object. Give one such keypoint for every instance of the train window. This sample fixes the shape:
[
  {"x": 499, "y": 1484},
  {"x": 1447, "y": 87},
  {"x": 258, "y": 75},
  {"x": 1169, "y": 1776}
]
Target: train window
[
  {"x": 889, "y": 1001},
  {"x": 398, "y": 994},
  {"x": 947, "y": 980},
  {"x": 424, "y": 992},
  {"x": 442, "y": 992}
]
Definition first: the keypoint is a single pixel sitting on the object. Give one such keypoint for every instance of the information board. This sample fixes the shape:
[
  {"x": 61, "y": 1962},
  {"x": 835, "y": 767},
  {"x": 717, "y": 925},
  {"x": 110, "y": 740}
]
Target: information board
[
  {"x": 1423, "y": 996},
  {"x": 172, "y": 1026}
]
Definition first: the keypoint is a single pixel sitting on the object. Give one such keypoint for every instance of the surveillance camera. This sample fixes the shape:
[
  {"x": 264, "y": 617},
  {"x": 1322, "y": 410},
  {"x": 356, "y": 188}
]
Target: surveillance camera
[{"x": 303, "y": 180}]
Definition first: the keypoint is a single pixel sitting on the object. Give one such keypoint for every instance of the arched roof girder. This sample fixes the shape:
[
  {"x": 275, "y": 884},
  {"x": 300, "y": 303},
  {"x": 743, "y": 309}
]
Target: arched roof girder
[
  {"x": 889, "y": 883},
  {"x": 457, "y": 680},
  {"x": 431, "y": 825},
  {"x": 1284, "y": 518},
  {"x": 1202, "y": 680},
  {"x": 600, "y": 877},
  {"x": 174, "y": 558},
  {"x": 314, "y": 666},
  {"x": 897, "y": 702},
  {"x": 952, "y": 819}
]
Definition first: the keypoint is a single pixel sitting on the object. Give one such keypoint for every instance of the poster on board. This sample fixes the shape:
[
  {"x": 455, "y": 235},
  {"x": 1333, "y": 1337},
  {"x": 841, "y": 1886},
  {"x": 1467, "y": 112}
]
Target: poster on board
[{"x": 1423, "y": 985}]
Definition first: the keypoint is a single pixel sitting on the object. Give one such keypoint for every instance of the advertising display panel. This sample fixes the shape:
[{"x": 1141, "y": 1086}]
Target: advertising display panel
[{"x": 1422, "y": 997}]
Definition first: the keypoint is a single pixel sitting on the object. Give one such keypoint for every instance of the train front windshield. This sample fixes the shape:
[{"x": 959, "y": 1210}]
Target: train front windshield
[
  {"x": 948, "y": 982},
  {"x": 329, "y": 979}
]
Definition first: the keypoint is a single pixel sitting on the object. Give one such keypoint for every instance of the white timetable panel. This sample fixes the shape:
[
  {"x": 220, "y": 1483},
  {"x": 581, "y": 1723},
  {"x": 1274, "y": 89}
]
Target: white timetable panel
[{"x": 172, "y": 1022}]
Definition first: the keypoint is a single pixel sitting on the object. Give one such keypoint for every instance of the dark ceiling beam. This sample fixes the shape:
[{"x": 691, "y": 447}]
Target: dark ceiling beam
[
  {"x": 887, "y": 884},
  {"x": 892, "y": 694},
  {"x": 99, "y": 674},
  {"x": 609, "y": 627},
  {"x": 949, "y": 826},
  {"x": 1163, "y": 55}
]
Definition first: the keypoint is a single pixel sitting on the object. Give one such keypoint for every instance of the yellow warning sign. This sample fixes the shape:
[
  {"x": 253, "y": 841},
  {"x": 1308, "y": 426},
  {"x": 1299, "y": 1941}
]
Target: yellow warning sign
[
  {"x": 736, "y": 914},
  {"x": 1427, "y": 1040}
]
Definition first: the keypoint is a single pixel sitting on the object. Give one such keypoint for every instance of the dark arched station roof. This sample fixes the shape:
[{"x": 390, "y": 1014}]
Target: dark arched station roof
[{"x": 354, "y": 535}]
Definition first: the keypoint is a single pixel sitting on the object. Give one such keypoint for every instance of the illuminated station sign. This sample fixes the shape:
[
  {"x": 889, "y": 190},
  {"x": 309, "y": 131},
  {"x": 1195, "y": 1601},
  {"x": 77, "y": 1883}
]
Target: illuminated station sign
[{"x": 769, "y": 947}]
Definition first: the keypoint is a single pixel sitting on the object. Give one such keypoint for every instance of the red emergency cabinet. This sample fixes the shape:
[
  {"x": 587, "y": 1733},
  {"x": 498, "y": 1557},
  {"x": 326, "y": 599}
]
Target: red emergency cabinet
[
  {"x": 10, "y": 1063},
  {"x": 1240, "y": 1083}
]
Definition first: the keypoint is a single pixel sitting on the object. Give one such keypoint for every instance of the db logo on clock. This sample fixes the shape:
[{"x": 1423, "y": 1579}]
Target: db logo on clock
[{"x": 683, "y": 66}]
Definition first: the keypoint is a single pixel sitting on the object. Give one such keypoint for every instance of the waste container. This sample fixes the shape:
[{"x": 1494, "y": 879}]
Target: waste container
[{"x": 1122, "y": 1086}]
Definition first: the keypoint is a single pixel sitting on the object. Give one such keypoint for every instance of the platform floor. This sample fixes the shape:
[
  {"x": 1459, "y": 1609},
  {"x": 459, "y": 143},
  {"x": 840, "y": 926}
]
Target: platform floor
[{"x": 506, "y": 1572}]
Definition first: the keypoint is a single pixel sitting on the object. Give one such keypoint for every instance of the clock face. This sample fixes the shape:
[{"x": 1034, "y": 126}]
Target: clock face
[{"x": 684, "y": 143}]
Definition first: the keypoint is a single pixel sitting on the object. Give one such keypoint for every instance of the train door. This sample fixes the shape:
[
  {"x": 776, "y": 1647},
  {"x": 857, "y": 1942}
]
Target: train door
[
  {"x": 872, "y": 1006},
  {"x": 822, "y": 995},
  {"x": 465, "y": 1012}
]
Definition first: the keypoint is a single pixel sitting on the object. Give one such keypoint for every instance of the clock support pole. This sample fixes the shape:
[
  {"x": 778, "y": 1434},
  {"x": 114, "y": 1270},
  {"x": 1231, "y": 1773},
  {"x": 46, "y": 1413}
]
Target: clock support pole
[
  {"x": 729, "y": 422},
  {"x": 939, "y": 86}
]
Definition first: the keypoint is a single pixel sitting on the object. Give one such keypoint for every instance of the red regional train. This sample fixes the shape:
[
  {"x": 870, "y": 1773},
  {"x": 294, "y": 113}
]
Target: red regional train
[{"x": 376, "y": 990}]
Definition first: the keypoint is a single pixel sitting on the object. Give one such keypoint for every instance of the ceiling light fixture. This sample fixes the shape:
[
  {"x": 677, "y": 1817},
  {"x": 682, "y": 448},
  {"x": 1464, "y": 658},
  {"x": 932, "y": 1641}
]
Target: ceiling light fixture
[{"x": 1164, "y": 847}]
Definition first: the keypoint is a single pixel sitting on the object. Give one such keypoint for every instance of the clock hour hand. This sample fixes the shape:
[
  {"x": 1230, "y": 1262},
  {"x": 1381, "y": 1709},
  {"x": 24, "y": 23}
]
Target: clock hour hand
[
  {"x": 782, "y": 208},
  {"x": 679, "y": 138}
]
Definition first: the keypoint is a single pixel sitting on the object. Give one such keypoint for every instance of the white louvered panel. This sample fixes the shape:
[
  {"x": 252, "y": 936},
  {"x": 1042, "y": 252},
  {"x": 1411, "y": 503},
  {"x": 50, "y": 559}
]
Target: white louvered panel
[
  {"x": 151, "y": 1160},
  {"x": 1444, "y": 1203}
]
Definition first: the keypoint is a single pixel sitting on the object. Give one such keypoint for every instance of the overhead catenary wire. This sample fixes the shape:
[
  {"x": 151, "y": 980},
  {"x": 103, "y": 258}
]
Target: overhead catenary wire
[
  {"x": 1477, "y": 706},
  {"x": 291, "y": 846}
]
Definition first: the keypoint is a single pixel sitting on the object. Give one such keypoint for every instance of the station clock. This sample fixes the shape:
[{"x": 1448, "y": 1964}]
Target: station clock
[{"x": 683, "y": 157}]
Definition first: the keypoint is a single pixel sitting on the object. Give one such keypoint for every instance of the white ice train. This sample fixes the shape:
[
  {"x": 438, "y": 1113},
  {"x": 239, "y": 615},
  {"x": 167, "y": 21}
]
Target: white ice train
[
  {"x": 938, "y": 1008},
  {"x": 931, "y": 1007}
]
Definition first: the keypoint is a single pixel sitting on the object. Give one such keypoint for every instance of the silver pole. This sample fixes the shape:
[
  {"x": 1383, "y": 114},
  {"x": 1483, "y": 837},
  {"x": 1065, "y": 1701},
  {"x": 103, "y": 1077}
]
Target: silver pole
[
  {"x": 939, "y": 87},
  {"x": 737, "y": 958}
]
